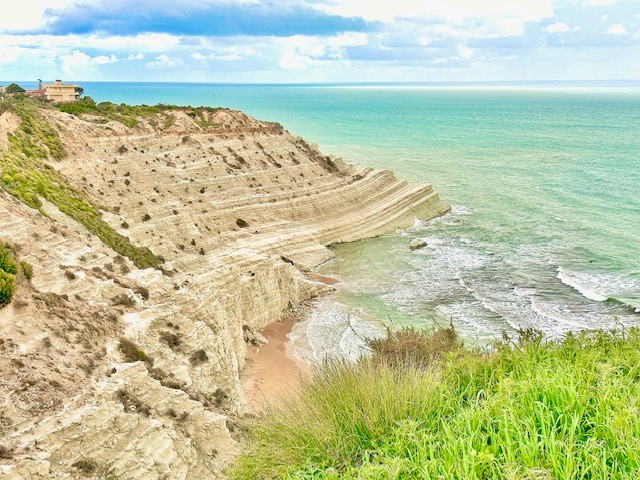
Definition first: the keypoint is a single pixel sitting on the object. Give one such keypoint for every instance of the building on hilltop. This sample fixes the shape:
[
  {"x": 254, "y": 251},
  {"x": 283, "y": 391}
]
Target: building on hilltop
[
  {"x": 38, "y": 93},
  {"x": 61, "y": 92}
]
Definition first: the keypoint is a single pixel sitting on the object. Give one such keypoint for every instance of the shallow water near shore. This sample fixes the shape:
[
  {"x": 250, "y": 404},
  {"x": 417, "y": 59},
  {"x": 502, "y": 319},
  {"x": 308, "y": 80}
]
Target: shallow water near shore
[{"x": 544, "y": 181}]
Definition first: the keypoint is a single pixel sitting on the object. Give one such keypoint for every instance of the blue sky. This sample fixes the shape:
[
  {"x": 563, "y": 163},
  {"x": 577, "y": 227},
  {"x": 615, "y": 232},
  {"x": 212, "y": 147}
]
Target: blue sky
[{"x": 320, "y": 41}]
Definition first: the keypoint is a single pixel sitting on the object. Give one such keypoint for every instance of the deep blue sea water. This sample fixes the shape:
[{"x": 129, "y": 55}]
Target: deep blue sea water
[{"x": 544, "y": 180}]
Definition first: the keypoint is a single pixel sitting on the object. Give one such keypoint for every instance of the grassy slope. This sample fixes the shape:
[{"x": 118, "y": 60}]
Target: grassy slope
[
  {"x": 25, "y": 173},
  {"x": 534, "y": 410}
]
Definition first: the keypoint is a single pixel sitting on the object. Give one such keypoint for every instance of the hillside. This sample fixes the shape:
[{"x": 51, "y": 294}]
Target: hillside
[{"x": 158, "y": 237}]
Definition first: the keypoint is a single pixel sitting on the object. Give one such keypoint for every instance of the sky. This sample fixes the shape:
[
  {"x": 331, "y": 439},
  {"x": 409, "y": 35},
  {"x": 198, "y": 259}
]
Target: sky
[{"x": 297, "y": 41}]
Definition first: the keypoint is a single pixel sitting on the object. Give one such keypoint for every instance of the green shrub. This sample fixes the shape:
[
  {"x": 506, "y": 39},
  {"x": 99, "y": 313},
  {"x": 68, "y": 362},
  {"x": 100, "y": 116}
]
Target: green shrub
[
  {"x": 7, "y": 287},
  {"x": 533, "y": 410},
  {"x": 86, "y": 466},
  {"x": 133, "y": 353},
  {"x": 7, "y": 259},
  {"x": 27, "y": 270}
]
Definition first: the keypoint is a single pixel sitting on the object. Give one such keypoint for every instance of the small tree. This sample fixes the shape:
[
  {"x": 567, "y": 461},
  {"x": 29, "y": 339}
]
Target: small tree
[{"x": 14, "y": 88}]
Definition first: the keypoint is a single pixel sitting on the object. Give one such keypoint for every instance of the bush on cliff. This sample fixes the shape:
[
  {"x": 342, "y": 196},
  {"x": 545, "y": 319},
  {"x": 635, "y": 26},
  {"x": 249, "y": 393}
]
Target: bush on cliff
[
  {"x": 8, "y": 262},
  {"x": 8, "y": 270},
  {"x": 528, "y": 410},
  {"x": 7, "y": 287}
]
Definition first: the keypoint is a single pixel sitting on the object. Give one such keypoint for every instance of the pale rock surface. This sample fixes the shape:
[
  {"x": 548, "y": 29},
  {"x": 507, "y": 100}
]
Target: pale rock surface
[
  {"x": 66, "y": 393},
  {"x": 8, "y": 123}
]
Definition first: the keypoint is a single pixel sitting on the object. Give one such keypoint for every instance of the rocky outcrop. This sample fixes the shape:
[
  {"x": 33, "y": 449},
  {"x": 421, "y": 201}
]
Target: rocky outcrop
[
  {"x": 239, "y": 210},
  {"x": 8, "y": 123}
]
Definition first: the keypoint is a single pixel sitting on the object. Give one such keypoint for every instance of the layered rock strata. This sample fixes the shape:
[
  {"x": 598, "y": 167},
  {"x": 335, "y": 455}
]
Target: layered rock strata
[{"x": 239, "y": 210}]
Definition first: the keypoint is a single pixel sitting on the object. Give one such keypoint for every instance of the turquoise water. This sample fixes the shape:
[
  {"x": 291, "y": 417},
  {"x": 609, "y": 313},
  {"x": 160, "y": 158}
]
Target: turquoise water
[{"x": 544, "y": 181}]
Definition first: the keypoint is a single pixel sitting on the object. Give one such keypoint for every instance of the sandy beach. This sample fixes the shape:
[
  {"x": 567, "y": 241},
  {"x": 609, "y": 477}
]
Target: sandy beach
[{"x": 272, "y": 371}]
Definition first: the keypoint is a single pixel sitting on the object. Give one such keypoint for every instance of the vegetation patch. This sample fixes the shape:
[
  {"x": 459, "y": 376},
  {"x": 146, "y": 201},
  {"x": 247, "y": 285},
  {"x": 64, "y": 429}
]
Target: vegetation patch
[
  {"x": 170, "y": 339},
  {"x": 131, "y": 402},
  {"x": 25, "y": 174},
  {"x": 412, "y": 346},
  {"x": 129, "y": 115},
  {"x": 11, "y": 270},
  {"x": 133, "y": 353},
  {"x": 198, "y": 357},
  {"x": 124, "y": 300},
  {"x": 7, "y": 288},
  {"x": 5, "y": 453},
  {"x": 528, "y": 410},
  {"x": 85, "y": 466},
  {"x": 14, "y": 88},
  {"x": 27, "y": 269}
]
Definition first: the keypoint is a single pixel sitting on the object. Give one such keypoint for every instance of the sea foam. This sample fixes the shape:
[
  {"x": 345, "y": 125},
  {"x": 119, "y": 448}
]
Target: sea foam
[{"x": 585, "y": 284}]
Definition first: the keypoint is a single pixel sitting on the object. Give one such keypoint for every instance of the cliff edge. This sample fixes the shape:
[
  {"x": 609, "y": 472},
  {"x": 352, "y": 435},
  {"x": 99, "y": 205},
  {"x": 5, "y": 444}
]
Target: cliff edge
[{"x": 158, "y": 237}]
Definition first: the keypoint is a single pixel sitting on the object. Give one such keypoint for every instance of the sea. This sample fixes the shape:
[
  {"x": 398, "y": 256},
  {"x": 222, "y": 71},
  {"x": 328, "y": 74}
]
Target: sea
[{"x": 544, "y": 183}]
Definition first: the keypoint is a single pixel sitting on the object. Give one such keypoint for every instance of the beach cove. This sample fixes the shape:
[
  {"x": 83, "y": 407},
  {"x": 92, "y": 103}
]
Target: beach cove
[{"x": 542, "y": 178}]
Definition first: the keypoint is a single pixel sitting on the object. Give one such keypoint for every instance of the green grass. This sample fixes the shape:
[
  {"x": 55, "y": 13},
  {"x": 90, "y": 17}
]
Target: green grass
[
  {"x": 532, "y": 410},
  {"x": 129, "y": 114},
  {"x": 7, "y": 287},
  {"x": 25, "y": 174},
  {"x": 8, "y": 262}
]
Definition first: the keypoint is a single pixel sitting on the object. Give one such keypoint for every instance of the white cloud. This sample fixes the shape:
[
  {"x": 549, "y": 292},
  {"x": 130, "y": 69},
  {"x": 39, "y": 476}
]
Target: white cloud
[
  {"x": 599, "y": 3},
  {"x": 144, "y": 42},
  {"x": 28, "y": 14},
  {"x": 617, "y": 29},
  {"x": 9, "y": 54},
  {"x": 560, "y": 27},
  {"x": 302, "y": 51},
  {"x": 215, "y": 49},
  {"x": 464, "y": 52},
  {"x": 213, "y": 56},
  {"x": 498, "y": 17},
  {"x": 347, "y": 40},
  {"x": 136, "y": 56},
  {"x": 103, "y": 59},
  {"x": 163, "y": 61},
  {"x": 604, "y": 18},
  {"x": 293, "y": 60},
  {"x": 314, "y": 47},
  {"x": 78, "y": 61}
]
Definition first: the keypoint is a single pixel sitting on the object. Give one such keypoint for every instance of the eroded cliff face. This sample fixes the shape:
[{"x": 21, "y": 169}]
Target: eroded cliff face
[{"x": 239, "y": 210}]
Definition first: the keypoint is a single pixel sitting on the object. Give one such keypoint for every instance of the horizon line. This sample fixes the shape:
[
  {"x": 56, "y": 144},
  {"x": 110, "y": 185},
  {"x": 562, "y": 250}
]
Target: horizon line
[{"x": 417, "y": 82}]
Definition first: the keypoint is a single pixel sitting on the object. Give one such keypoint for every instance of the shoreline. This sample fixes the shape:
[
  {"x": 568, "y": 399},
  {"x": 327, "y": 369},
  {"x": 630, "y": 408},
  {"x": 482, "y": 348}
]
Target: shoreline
[
  {"x": 272, "y": 371},
  {"x": 270, "y": 232}
]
